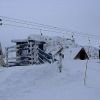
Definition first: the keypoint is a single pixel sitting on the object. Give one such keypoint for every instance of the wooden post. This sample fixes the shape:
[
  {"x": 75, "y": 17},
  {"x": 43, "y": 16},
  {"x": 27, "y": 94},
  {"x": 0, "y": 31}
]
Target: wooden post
[
  {"x": 60, "y": 62},
  {"x": 85, "y": 76},
  {"x": 6, "y": 57},
  {"x": 35, "y": 50},
  {"x": 31, "y": 52}
]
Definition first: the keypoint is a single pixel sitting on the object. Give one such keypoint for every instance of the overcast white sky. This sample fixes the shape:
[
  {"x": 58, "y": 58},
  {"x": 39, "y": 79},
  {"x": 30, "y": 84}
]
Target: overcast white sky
[{"x": 80, "y": 15}]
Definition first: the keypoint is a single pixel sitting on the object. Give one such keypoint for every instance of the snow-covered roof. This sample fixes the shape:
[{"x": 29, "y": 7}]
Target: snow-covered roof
[
  {"x": 75, "y": 51},
  {"x": 19, "y": 40},
  {"x": 48, "y": 38},
  {"x": 36, "y": 37}
]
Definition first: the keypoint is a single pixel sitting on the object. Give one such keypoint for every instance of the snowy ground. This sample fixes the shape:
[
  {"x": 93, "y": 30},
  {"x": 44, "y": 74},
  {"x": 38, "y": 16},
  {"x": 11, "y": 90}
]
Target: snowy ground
[{"x": 44, "y": 82}]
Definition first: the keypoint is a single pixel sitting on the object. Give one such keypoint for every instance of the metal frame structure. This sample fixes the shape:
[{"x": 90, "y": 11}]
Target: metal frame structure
[{"x": 27, "y": 52}]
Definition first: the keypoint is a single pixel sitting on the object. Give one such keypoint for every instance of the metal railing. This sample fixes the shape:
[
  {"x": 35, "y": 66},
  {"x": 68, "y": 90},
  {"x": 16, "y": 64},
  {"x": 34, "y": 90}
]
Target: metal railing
[{"x": 27, "y": 58}]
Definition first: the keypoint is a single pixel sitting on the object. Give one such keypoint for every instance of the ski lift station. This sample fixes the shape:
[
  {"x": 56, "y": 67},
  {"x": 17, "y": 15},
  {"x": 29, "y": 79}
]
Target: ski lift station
[
  {"x": 38, "y": 49},
  {"x": 28, "y": 51}
]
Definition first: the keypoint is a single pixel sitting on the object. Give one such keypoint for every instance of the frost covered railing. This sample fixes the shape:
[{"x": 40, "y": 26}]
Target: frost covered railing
[
  {"x": 44, "y": 56},
  {"x": 38, "y": 57}
]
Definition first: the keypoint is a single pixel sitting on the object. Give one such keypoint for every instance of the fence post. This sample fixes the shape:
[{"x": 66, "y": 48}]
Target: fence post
[
  {"x": 6, "y": 57},
  {"x": 85, "y": 76}
]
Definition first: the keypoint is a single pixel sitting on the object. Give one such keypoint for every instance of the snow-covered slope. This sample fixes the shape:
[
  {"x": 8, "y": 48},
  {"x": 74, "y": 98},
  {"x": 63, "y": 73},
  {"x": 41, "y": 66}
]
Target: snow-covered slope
[
  {"x": 44, "y": 82},
  {"x": 93, "y": 52}
]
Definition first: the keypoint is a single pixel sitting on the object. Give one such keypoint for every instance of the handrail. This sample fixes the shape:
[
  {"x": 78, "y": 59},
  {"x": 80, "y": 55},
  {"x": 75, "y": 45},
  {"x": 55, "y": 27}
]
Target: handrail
[
  {"x": 41, "y": 59},
  {"x": 45, "y": 57},
  {"x": 45, "y": 53}
]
